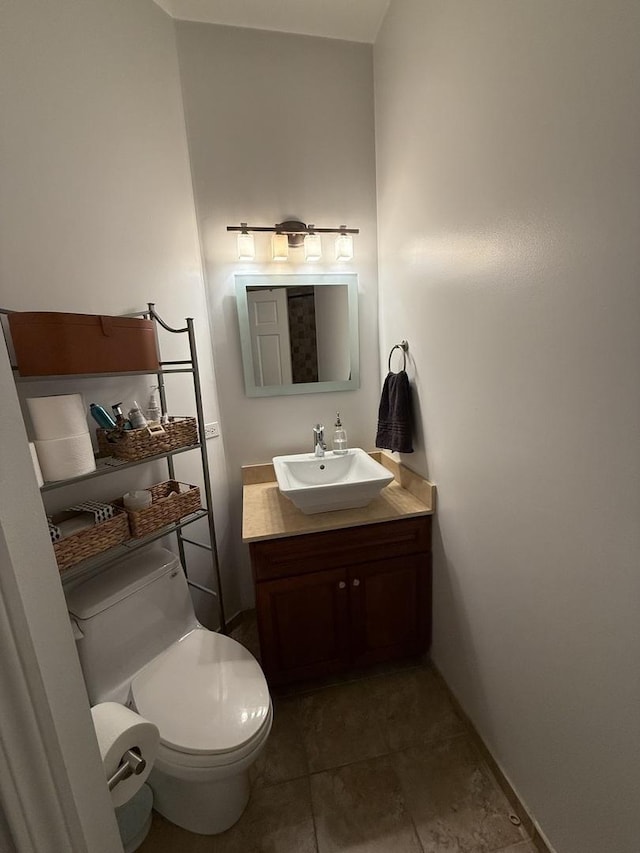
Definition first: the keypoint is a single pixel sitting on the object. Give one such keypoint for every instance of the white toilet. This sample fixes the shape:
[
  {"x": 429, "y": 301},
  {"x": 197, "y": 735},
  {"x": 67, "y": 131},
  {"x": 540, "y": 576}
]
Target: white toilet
[{"x": 140, "y": 644}]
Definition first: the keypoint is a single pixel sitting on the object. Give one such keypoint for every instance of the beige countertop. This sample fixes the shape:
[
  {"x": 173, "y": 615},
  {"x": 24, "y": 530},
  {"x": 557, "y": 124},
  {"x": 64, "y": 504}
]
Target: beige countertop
[{"x": 266, "y": 514}]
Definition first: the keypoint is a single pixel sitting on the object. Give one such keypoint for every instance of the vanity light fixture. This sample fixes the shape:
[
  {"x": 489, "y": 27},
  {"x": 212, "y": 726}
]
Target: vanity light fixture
[
  {"x": 344, "y": 246},
  {"x": 246, "y": 247},
  {"x": 312, "y": 246},
  {"x": 279, "y": 247},
  {"x": 292, "y": 234}
]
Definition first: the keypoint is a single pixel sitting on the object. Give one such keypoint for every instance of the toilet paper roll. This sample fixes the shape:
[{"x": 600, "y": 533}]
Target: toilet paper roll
[
  {"x": 57, "y": 417},
  {"x": 36, "y": 463},
  {"x": 63, "y": 458},
  {"x": 117, "y": 730}
]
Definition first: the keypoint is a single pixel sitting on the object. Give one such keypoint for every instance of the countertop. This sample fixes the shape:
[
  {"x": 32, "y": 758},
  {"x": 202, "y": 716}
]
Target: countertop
[{"x": 266, "y": 514}]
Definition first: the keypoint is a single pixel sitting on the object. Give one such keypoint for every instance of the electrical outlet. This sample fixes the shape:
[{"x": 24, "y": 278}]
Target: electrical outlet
[{"x": 211, "y": 430}]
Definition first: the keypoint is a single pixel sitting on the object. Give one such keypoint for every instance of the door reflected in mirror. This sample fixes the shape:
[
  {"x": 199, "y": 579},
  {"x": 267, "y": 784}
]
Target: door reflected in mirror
[{"x": 299, "y": 333}]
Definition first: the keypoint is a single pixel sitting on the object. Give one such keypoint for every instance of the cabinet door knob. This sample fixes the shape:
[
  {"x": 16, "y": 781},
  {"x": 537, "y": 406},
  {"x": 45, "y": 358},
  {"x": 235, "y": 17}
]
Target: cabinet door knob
[
  {"x": 356, "y": 582},
  {"x": 341, "y": 585}
]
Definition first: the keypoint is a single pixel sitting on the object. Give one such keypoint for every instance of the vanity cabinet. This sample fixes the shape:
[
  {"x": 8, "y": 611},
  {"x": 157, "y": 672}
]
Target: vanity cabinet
[{"x": 351, "y": 597}]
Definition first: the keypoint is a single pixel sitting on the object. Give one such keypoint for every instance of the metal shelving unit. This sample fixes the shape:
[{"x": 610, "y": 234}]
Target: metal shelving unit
[{"x": 110, "y": 465}]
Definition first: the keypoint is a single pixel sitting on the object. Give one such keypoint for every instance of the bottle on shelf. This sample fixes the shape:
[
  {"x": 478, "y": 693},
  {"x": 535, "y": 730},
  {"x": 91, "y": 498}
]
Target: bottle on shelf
[
  {"x": 137, "y": 419},
  {"x": 339, "y": 437},
  {"x": 154, "y": 412},
  {"x": 121, "y": 421},
  {"x": 102, "y": 417}
]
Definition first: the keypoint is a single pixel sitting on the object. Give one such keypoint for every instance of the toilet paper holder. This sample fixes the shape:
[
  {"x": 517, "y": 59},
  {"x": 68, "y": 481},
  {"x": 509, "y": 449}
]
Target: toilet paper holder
[{"x": 131, "y": 763}]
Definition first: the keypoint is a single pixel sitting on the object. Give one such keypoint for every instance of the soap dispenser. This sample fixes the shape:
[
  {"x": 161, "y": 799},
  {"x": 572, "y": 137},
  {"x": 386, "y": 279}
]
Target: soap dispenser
[{"x": 339, "y": 437}]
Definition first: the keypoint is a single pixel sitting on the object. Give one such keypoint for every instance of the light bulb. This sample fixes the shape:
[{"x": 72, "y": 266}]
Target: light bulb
[
  {"x": 246, "y": 247},
  {"x": 312, "y": 247},
  {"x": 344, "y": 247},
  {"x": 279, "y": 247}
]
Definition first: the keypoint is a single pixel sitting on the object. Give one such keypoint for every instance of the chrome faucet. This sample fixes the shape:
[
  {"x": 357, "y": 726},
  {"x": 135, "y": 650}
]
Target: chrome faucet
[{"x": 319, "y": 445}]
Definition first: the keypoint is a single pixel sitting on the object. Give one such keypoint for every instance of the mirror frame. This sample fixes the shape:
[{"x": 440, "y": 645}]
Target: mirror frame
[{"x": 320, "y": 279}]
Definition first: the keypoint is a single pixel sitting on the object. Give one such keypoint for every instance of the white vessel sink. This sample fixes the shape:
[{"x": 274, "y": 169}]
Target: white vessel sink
[{"x": 330, "y": 482}]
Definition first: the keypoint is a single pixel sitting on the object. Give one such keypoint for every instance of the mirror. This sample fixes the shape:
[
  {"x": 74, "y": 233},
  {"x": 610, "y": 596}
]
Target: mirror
[{"x": 299, "y": 333}]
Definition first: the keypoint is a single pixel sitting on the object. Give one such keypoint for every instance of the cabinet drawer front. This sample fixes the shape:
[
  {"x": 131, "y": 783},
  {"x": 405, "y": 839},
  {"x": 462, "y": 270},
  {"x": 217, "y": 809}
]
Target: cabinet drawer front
[
  {"x": 313, "y": 552},
  {"x": 390, "y": 608},
  {"x": 303, "y": 625}
]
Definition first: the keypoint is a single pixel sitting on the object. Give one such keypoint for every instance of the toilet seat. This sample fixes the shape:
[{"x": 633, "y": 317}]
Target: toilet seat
[
  {"x": 187, "y": 765},
  {"x": 208, "y": 697}
]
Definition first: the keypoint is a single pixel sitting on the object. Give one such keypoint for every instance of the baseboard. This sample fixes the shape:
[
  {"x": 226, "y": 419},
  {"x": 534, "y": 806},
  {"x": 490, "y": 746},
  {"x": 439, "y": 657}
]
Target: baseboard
[{"x": 527, "y": 820}]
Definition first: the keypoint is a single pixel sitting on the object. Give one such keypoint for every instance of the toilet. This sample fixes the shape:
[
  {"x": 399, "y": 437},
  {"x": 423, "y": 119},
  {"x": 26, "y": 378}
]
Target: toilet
[{"x": 140, "y": 644}]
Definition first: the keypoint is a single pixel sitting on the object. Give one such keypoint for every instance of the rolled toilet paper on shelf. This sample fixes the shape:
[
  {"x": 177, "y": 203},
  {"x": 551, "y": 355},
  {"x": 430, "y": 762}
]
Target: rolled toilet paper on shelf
[
  {"x": 63, "y": 458},
  {"x": 61, "y": 416},
  {"x": 36, "y": 463},
  {"x": 117, "y": 730}
]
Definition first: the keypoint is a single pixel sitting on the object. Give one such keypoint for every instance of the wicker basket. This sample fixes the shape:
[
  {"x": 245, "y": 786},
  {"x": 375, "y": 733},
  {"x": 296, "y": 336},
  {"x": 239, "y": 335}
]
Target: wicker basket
[
  {"x": 168, "y": 505},
  {"x": 92, "y": 540},
  {"x": 137, "y": 444}
]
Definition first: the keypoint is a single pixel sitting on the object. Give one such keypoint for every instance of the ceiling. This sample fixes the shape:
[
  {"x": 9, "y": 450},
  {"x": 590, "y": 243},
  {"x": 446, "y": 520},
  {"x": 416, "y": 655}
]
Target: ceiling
[{"x": 352, "y": 20}]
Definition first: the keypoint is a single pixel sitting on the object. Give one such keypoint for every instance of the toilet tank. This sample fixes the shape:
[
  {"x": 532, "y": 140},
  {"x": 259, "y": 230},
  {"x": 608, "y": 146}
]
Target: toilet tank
[{"x": 126, "y": 616}]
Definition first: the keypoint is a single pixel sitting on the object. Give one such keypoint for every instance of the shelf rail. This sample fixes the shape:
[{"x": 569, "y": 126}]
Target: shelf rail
[
  {"x": 189, "y": 329},
  {"x": 109, "y": 464},
  {"x": 197, "y": 544}
]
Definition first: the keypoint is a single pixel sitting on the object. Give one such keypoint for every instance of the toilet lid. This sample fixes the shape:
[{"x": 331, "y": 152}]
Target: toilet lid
[{"x": 206, "y": 693}]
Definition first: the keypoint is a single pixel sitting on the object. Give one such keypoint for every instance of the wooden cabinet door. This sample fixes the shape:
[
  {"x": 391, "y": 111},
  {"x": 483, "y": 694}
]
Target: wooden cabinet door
[
  {"x": 303, "y": 625},
  {"x": 390, "y": 608}
]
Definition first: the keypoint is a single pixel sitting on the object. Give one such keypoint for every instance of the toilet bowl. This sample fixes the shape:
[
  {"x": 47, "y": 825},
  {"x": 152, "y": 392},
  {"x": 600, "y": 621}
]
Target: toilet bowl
[
  {"x": 209, "y": 699},
  {"x": 139, "y": 643},
  {"x": 205, "y": 799}
]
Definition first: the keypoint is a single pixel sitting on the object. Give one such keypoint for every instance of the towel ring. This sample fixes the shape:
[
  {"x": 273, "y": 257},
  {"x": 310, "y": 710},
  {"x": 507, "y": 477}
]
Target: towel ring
[{"x": 404, "y": 346}]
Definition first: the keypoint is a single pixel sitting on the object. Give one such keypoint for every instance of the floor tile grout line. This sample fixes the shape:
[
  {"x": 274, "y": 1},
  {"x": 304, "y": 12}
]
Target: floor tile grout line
[
  {"x": 389, "y": 752},
  {"x": 471, "y": 735},
  {"x": 408, "y": 809},
  {"x": 357, "y": 679},
  {"x": 485, "y": 765},
  {"x": 521, "y": 844},
  {"x": 461, "y": 735},
  {"x": 308, "y": 773},
  {"x": 256, "y": 786},
  {"x": 424, "y": 665},
  {"x": 516, "y": 805},
  {"x": 313, "y": 815},
  {"x": 405, "y": 805}
]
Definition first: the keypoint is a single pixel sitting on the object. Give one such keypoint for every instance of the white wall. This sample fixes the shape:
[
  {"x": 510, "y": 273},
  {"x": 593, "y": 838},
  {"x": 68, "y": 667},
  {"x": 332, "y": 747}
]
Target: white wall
[
  {"x": 97, "y": 213},
  {"x": 280, "y": 126},
  {"x": 509, "y": 212}
]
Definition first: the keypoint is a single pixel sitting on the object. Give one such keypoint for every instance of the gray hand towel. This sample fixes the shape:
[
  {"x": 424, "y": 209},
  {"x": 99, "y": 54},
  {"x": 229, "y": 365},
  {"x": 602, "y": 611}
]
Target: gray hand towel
[{"x": 394, "y": 414}]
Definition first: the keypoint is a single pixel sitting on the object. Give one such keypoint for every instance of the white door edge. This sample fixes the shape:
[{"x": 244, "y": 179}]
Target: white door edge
[{"x": 52, "y": 783}]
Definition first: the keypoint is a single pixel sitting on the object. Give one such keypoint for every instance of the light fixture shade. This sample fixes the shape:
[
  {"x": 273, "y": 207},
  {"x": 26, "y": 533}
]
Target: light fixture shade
[
  {"x": 312, "y": 247},
  {"x": 246, "y": 247},
  {"x": 279, "y": 247},
  {"x": 344, "y": 247}
]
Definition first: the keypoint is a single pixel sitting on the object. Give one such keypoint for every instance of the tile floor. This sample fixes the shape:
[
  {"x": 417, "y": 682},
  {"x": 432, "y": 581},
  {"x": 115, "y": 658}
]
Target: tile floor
[{"x": 378, "y": 764}]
